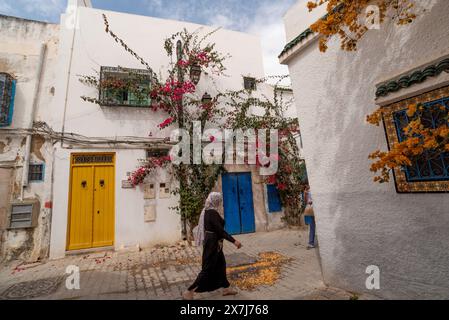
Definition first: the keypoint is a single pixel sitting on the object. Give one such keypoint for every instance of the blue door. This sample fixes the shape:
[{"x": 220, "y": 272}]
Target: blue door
[
  {"x": 274, "y": 200},
  {"x": 238, "y": 203}
]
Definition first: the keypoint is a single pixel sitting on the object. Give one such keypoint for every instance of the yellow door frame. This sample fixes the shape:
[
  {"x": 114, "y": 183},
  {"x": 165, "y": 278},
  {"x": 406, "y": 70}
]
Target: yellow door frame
[{"x": 93, "y": 165}]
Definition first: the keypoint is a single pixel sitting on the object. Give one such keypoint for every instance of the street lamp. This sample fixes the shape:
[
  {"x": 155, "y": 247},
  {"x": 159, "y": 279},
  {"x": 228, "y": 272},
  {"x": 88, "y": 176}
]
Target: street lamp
[
  {"x": 195, "y": 73},
  {"x": 181, "y": 126},
  {"x": 206, "y": 99}
]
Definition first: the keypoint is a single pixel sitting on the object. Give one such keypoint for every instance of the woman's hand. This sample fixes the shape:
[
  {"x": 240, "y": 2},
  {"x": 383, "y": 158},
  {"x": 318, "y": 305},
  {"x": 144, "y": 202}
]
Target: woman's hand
[{"x": 238, "y": 244}]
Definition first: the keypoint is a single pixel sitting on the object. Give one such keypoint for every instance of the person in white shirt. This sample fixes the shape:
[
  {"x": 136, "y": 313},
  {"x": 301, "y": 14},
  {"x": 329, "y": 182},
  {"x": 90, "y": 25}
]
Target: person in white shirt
[{"x": 309, "y": 217}]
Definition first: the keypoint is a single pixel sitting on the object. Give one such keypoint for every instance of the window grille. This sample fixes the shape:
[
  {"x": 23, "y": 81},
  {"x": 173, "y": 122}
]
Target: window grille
[
  {"x": 250, "y": 83},
  {"x": 92, "y": 158},
  {"x": 123, "y": 87},
  {"x": 431, "y": 166},
  {"x": 36, "y": 173},
  {"x": 157, "y": 153}
]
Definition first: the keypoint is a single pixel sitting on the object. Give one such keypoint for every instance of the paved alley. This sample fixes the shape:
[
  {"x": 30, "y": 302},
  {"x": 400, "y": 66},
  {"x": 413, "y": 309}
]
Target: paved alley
[{"x": 164, "y": 273}]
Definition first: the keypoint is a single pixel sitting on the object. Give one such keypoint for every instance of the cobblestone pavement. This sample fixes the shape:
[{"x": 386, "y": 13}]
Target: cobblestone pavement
[{"x": 164, "y": 273}]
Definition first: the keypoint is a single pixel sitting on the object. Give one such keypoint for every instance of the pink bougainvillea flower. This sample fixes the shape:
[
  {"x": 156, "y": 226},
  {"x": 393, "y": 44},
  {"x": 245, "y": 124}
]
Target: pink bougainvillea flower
[
  {"x": 153, "y": 94},
  {"x": 166, "y": 123},
  {"x": 183, "y": 63},
  {"x": 282, "y": 186},
  {"x": 138, "y": 176},
  {"x": 271, "y": 179},
  {"x": 181, "y": 89},
  {"x": 203, "y": 57}
]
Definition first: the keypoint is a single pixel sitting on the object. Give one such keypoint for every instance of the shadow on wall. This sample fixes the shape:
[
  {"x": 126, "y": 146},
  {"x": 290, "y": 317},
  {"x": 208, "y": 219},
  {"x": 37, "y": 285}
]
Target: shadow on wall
[{"x": 404, "y": 235}]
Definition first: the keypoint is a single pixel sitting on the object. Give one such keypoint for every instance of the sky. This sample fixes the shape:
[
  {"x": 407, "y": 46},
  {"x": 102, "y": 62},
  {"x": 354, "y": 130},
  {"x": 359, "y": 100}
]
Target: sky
[{"x": 259, "y": 17}]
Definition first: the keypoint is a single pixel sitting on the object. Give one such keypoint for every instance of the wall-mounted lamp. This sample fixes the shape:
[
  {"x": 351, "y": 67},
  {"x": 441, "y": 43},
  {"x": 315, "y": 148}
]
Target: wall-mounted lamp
[
  {"x": 195, "y": 73},
  {"x": 206, "y": 99}
]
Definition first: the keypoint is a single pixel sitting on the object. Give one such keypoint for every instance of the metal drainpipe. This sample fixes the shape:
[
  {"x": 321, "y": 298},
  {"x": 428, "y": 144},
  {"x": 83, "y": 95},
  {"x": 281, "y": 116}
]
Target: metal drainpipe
[
  {"x": 68, "y": 77},
  {"x": 52, "y": 183},
  {"x": 26, "y": 161}
]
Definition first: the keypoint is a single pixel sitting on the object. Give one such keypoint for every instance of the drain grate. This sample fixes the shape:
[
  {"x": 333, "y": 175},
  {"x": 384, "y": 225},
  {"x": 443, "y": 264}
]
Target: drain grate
[{"x": 31, "y": 289}]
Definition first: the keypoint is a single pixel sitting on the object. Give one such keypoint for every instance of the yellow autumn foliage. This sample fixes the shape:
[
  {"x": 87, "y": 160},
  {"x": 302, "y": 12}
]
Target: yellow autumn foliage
[
  {"x": 348, "y": 19},
  {"x": 265, "y": 272}
]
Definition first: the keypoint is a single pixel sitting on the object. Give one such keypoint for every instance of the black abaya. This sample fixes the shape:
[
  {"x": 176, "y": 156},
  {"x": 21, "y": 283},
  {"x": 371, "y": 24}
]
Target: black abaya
[{"x": 213, "y": 274}]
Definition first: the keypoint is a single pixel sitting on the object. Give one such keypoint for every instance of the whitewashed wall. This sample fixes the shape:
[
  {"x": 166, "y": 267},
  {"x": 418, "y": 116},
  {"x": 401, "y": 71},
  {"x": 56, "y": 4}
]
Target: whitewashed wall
[
  {"x": 93, "y": 48},
  {"x": 361, "y": 223}
]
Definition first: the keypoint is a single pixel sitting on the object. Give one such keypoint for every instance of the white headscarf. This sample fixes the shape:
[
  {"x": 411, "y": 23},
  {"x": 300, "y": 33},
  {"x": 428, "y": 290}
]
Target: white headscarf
[{"x": 213, "y": 202}]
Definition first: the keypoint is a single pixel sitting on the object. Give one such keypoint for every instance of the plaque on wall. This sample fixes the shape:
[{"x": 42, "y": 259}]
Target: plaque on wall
[
  {"x": 126, "y": 184},
  {"x": 149, "y": 191},
  {"x": 164, "y": 191},
  {"x": 150, "y": 213}
]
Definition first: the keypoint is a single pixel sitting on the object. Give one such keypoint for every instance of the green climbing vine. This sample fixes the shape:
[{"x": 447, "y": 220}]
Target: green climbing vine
[{"x": 176, "y": 95}]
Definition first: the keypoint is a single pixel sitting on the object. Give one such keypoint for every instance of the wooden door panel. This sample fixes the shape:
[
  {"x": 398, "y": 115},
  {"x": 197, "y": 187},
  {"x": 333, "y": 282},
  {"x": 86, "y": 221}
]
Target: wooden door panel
[
  {"x": 248, "y": 224},
  {"x": 103, "y": 213},
  {"x": 231, "y": 204},
  {"x": 81, "y": 205}
]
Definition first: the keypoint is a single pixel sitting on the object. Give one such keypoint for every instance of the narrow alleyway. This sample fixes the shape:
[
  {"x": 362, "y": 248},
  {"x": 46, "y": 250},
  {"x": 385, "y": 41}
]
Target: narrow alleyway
[{"x": 163, "y": 273}]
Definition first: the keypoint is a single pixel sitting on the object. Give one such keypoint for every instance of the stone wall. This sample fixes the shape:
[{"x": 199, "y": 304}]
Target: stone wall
[{"x": 20, "y": 55}]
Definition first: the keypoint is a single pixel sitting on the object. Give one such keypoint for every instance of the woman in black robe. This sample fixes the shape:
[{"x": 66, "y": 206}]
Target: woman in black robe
[{"x": 211, "y": 234}]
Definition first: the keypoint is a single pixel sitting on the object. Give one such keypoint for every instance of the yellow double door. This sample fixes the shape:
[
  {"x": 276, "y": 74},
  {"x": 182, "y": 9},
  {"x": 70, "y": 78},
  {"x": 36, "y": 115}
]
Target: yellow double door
[{"x": 91, "y": 209}]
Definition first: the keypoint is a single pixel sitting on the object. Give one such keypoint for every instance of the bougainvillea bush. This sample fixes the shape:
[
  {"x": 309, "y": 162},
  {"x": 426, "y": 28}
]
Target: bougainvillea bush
[
  {"x": 291, "y": 175},
  {"x": 176, "y": 94}
]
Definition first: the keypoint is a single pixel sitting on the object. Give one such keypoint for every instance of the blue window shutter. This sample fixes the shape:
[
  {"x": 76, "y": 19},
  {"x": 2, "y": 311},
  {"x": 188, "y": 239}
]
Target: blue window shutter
[
  {"x": 274, "y": 200},
  {"x": 11, "y": 105}
]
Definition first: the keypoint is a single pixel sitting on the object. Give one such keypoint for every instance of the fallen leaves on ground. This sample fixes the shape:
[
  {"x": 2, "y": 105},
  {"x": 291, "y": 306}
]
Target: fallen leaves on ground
[
  {"x": 265, "y": 272},
  {"x": 17, "y": 269},
  {"x": 25, "y": 266},
  {"x": 102, "y": 259}
]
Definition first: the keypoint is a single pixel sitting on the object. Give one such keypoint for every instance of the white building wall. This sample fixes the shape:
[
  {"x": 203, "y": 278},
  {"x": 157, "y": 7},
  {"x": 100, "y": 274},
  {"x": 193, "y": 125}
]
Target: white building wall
[
  {"x": 93, "y": 48},
  {"x": 361, "y": 223},
  {"x": 297, "y": 24},
  {"x": 83, "y": 50}
]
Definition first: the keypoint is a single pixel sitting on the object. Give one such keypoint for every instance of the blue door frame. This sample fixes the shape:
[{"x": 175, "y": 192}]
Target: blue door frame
[{"x": 238, "y": 203}]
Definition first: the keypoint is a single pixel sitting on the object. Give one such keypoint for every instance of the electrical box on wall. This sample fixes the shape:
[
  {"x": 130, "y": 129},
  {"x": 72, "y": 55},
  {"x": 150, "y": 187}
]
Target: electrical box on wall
[
  {"x": 150, "y": 213},
  {"x": 24, "y": 214},
  {"x": 149, "y": 191},
  {"x": 164, "y": 190}
]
